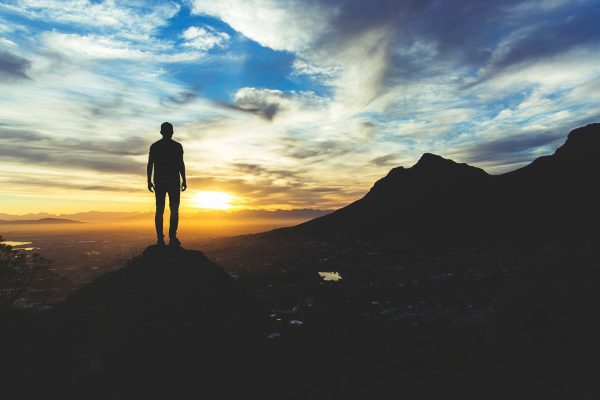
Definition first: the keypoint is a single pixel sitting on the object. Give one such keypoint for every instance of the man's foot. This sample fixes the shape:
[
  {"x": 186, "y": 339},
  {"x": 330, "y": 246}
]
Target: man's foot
[
  {"x": 174, "y": 241},
  {"x": 160, "y": 242}
]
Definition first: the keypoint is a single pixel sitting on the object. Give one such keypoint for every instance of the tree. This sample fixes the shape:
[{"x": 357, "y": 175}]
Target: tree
[{"x": 18, "y": 272}]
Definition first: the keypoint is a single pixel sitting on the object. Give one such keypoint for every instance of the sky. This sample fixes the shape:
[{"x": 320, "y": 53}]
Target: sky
[{"x": 281, "y": 103}]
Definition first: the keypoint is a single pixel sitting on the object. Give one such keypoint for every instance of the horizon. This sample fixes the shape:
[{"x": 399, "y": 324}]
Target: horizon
[
  {"x": 200, "y": 224},
  {"x": 306, "y": 112},
  {"x": 187, "y": 212}
]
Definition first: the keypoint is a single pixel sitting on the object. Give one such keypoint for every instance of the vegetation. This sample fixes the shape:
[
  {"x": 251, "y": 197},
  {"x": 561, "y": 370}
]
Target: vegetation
[{"x": 19, "y": 273}]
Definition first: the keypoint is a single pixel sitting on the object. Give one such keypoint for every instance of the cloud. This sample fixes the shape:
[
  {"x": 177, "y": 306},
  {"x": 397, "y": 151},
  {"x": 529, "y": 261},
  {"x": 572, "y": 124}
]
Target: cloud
[
  {"x": 35, "y": 149},
  {"x": 514, "y": 149},
  {"x": 12, "y": 134},
  {"x": 343, "y": 42},
  {"x": 135, "y": 20},
  {"x": 262, "y": 193},
  {"x": 322, "y": 72},
  {"x": 385, "y": 161},
  {"x": 36, "y": 156},
  {"x": 364, "y": 49},
  {"x": 542, "y": 42},
  {"x": 304, "y": 150},
  {"x": 291, "y": 25},
  {"x": 263, "y": 102},
  {"x": 131, "y": 145},
  {"x": 201, "y": 38},
  {"x": 13, "y": 67},
  {"x": 90, "y": 47},
  {"x": 267, "y": 103},
  {"x": 182, "y": 98},
  {"x": 57, "y": 183},
  {"x": 261, "y": 171}
]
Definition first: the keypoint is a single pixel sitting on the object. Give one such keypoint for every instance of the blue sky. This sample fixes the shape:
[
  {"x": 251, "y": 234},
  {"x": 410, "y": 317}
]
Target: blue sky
[{"x": 282, "y": 103}]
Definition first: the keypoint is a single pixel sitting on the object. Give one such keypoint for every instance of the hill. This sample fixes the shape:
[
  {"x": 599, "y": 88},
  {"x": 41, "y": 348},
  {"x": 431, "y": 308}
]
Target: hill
[
  {"x": 169, "y": 315},
  {"x": 438, "y": 197},
  {"x": 120, "y": 216},
  {"x": 40, "y": 221}
]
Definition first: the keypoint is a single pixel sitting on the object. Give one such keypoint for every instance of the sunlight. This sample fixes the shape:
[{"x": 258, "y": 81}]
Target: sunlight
[{"x": 213, "y": 200}]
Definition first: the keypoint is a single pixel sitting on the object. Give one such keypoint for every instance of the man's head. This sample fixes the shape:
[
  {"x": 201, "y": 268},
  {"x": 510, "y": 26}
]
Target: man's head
[{"x": 166, "y": 129}]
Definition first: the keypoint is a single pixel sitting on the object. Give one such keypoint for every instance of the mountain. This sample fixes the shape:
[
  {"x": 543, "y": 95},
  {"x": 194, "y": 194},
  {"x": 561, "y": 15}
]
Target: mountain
[
  {"x": 41, "y": 221},
  {"x": 564, "y": 182},
  {"x": 294, "y": 215},
  {"x": 168, "y": 314},
  {"x": 13, "y": 217},
  {"x": 440, "y": 198}
]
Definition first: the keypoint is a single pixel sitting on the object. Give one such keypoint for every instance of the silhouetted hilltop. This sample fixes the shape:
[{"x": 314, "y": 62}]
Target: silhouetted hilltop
[
  {"x": 167, "y": 314},
  {"x": 562, "y": 183},
  {"x": 41, "y": 221},
  {"x": 439, "y": 197},
  {"x": 424, "y": 181},
  {"x": 581, "y": 143}
]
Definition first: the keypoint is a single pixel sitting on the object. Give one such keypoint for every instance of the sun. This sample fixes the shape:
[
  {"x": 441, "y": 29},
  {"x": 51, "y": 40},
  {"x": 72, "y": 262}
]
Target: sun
[{"x": 213, "y": 200}]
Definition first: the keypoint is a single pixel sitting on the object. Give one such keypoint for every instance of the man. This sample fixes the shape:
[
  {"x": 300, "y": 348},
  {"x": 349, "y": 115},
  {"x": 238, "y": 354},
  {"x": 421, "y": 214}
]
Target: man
[{"x": 166, "y": 156}]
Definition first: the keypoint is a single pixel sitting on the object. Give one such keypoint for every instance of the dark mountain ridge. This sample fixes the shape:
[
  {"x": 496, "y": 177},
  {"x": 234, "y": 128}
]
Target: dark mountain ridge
[{"x": 439, "y": 197}]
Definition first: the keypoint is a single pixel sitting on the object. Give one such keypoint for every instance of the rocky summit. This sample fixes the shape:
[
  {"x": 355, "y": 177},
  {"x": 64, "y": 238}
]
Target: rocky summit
[{"x": 169, "y": 315}]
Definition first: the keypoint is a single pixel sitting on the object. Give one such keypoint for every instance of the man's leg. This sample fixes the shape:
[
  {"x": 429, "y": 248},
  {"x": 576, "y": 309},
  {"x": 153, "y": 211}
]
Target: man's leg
[
  {"x": 174, "y": 198},
  {"x": 160, "y": 210}
]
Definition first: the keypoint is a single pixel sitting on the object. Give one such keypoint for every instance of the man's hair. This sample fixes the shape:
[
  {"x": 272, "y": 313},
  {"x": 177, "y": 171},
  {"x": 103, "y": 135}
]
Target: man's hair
[{"x": 166, "y": 128}]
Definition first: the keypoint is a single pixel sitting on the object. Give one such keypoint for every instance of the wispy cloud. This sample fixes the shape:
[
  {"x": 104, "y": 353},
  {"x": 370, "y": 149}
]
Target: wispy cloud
[
  {"x": 512, "y": 149},
  {"x": 204, "y": 38},
  {"x": 135, "y": 20},
  {"x": 13, "y": 67},
  {"x": 386, "y": 160}
]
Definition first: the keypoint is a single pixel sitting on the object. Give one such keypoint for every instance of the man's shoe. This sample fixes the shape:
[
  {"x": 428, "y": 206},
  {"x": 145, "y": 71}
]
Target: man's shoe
[
  {"x": 160, "y": 242},
  {"x": 174, "y": 241}
]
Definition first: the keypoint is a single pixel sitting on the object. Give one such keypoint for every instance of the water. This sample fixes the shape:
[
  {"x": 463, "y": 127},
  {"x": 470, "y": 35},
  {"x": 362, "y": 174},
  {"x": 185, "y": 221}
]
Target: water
[
  {"x": 15, "y": 244},
  {"x": 330, "y": 276},
  {"x": 19, "y": 245}
]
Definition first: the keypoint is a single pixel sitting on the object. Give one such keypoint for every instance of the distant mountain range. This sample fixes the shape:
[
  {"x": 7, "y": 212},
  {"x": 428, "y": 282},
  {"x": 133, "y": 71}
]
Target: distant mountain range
[
  {"x": 40, "y": 221},
  {"x": 107, "y": 216},
  {"x": 437, "y": 197}
]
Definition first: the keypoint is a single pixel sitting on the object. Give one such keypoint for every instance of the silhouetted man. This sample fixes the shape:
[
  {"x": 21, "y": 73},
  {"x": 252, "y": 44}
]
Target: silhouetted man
[{"x": 166, "y": 156}]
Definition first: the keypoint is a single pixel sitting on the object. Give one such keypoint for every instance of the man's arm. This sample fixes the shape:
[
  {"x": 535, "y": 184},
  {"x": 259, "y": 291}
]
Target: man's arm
[
  {"x": 182, "y": 172},
  {"x": 149, "y": 172}
]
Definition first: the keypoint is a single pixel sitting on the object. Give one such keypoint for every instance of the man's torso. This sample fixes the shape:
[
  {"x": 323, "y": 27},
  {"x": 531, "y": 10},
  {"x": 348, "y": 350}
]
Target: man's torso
[{"x": 167, "y": 155}]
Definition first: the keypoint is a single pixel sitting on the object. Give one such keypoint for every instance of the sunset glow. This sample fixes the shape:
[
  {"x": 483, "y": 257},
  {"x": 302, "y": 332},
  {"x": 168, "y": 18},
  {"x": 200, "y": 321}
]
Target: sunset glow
[{"x": 213, "y": 200}]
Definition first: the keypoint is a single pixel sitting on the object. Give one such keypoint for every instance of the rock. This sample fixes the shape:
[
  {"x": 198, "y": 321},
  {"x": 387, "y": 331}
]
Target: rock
[{"x": 167, "y": 314}]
